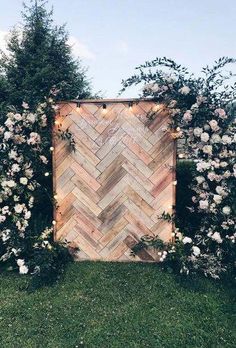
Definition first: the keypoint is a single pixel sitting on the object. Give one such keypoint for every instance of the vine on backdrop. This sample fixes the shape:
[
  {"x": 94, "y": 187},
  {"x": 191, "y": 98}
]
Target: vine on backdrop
[{"x": 203, "y": 112}]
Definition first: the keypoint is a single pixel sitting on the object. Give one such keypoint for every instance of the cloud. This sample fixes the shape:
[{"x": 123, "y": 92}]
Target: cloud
[
  {"x": 79, "y": 49},
  {"x": 122, "y": 47}
]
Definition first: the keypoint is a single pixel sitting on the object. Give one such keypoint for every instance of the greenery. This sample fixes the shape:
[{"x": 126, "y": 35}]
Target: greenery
[
  {"x": 201, "y": 110},
  {"x": 39, "y": 59},
  {"x": 107, "y": 305}
]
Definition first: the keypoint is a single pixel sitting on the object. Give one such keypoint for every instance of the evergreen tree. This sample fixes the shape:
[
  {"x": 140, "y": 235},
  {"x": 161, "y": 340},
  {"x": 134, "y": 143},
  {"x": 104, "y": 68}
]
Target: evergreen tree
[{"x": 39, "y": 59}]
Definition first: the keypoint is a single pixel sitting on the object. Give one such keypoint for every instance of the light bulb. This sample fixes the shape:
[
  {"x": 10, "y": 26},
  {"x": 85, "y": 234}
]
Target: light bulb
[
  {"x": 51, "y": 148},
  {"x": 46, "y": 174},
  {"x": 54, "y": 222},
  {"x": 178, "y": 129},
  {"x": 175, "y": 182},
  {"x": 55, "y": 196},
  {"x": 181, "y": 155},
  {"x": 57, "y": 122}
]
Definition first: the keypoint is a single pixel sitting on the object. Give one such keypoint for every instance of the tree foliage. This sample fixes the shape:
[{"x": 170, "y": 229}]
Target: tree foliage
[{"x": 39, "y": 58}]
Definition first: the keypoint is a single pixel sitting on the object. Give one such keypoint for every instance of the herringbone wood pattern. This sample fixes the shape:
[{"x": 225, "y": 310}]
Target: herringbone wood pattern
[{"x": 114, "y": 187}]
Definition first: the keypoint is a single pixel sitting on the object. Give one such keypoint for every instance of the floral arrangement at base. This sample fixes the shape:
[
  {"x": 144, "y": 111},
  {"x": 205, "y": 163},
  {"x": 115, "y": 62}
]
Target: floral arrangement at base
[
  {"x": 26, "y": 203},
  {"x": 203, "y": 112}
]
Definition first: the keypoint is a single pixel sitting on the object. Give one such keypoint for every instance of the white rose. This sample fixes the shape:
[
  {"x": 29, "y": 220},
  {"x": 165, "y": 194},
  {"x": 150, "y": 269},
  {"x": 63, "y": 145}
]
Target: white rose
[
  {"x": 31, "y": 118},
  {"x": 187, "y": 240},
  {"x": 187, "y": 117},
  {"x": 20, "y": 262},
  {"x": 18, "y": 208},
  {"x": 184, "y": 90},
  {"x": 214, "y": 125},
  {"x": 207, "y": 149},
  {"x": 226, "y": 139},
  {"x": 15, "y": 167},
  {"x": 205, "y": 137},
  {"x": 10, "y": 183},
  {"x": 18, "y": 117},
  {"x": 226, "y": 210},
  {"x": 215, "y": 138},
  {"x": 196, "y": 250},
  {"x": 24, "y": 269},
  {"x": 203, "y": 204},
  {"x": 27, "y": 215},
  {"x": 217, "y": 199},
  {"x": 221, "y": 113},
  {"x": 217, "y": 237},
  {"x": 197, "y": 131},
  {"x": 7, "y": 135},
  {"x": 23, "y": 181},
  {"x": 220, "y": 190},
  {"x": 200, "y": 179},
  {"x": 2, "y": 218}
]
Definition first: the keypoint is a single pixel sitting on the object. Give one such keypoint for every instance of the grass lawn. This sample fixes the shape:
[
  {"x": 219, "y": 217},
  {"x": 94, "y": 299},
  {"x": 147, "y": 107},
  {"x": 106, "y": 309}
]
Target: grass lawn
[{"x": 117, "y": 305}]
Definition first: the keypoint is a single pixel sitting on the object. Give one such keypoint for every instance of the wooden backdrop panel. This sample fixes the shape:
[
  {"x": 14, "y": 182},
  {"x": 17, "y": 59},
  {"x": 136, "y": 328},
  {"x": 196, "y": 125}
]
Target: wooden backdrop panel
[{"x": 112, "y": 190}]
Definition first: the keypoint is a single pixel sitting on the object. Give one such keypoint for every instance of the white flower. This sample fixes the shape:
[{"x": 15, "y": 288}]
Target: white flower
[
  {"x": 18, "y": 208},
  {"x": 203, "y": 204},
  {"x": 31, "y": 118},
  {"x": 184, "y": 90},
  {"x": 217, "y": 237},
  {"x": 196, "y": 250},
  {"x": 187, "y": 117},
  {"x": 214, "y": 125},
  {"x": 226, "y": 210},
  {"x": 20, "y": 262},
  {"x": 24, "y": 269},
  {"x": 25, "y": 105},
  {"x": 43, "y": 159},
  {"x": 207, "y": 149},
  {"x": 2, "y": 218},
  {"x": 7, "y": 135},
  {"x": 220, "y": 190},
  {"x": 17, "y": 117},
  {"x": 202, "y": 166},
  {"x": 221, "y": 113},
  {"x": 9, "y": 123},
  {"x": 23, "y": 181},
  {"x": 217, "y": 198},
  {"x": 226, "y": 139},
  {"x": 197, "y": 131},
  {"x": 10, "y": 183},
  {"x": 34, "y": 138},
  {"x": 215, "y": 138},
  {"x": 187, "y": 240},
  {"x": 15, "y": 167},
  {"x": 27, "y": 215},
  {"x": 200, "y": 179},
  {"x": 205, "y": 137}
]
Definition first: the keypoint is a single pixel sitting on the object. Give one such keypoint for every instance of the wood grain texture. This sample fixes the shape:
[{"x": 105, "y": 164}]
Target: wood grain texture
[{"x": 113, "y": 189}]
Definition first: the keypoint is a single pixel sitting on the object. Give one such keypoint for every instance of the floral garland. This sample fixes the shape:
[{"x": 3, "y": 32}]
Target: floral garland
[
  {"x": 25, "y": 151},
  {"x": 203, "y": 112}
]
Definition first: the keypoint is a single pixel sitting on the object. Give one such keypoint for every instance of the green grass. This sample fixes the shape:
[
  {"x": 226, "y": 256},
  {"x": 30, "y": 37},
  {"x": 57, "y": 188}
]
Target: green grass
[{"x": 117, "y": 305}]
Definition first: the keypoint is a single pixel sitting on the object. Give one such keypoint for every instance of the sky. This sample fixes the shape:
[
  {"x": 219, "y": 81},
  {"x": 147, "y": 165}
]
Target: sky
[{"x": 112, "y": 37}]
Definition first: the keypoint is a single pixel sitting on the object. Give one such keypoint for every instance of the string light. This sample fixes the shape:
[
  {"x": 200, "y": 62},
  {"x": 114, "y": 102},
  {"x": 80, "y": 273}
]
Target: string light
[
  {"x": 57, "y": 122},
  {"x": 46, "y": 174},
  {"x": 51, "y": 148},
  {"x": 178, "y": 129},
  {"x": 54, "y": 222},
  {"x": 55, "y": 196},
  {"x": 130, "y": 105},
  {"x": 156, "y": 108},
  {"x": 175, "y": 182},
  {"x": 78, "y": 105},
  {"x": 104, "y": 109},
  {"x": 181, "y": 155}
]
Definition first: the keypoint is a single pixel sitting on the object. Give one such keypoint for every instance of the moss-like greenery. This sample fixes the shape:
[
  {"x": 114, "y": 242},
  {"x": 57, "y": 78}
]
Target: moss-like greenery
[{"x": 117, "y": 305}]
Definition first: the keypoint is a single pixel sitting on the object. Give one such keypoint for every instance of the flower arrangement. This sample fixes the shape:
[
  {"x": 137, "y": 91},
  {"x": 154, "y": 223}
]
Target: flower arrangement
[
  {"x": 26, "y": 184},
  {"x": 203, "y": 112}
]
